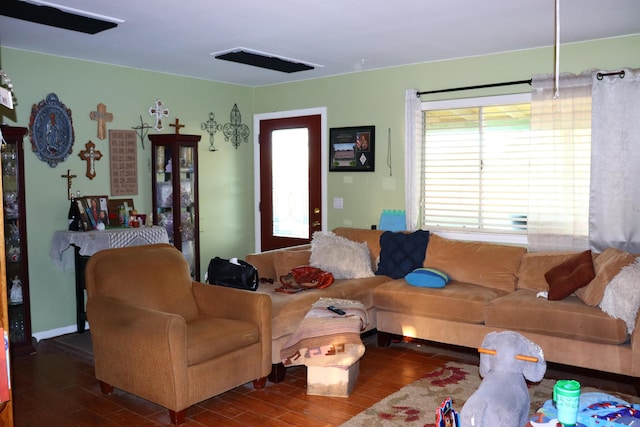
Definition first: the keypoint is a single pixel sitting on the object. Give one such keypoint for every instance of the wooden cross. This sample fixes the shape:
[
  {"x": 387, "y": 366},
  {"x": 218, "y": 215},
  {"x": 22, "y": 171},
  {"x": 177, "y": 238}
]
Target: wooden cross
[
  {"x": 101, "y": 116},
  {"x": 91, "y": 156},
  {"x": 69, "y": 179},
  {"x": 177, "y": 125},
  {"x": 159, "y": 111}
]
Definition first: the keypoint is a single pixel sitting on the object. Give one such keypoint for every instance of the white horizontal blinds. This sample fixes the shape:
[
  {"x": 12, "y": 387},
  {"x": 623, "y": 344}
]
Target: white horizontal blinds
[{"x": 476, "y": 168}]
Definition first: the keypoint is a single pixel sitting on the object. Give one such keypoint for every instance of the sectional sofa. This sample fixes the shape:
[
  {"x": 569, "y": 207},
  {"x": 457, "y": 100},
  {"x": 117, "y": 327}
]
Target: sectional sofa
[{"x": 492, "y": 287}]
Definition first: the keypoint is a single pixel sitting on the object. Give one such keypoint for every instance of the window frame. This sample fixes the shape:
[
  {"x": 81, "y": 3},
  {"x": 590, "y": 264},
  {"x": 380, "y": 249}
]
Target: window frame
[{"x": 479, "y": 101}]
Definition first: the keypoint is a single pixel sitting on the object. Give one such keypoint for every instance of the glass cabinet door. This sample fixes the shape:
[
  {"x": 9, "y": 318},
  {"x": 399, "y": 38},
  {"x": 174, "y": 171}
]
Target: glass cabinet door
[
  {"x": 176, "y": 192},
  {"x": 15, "y": 240}
]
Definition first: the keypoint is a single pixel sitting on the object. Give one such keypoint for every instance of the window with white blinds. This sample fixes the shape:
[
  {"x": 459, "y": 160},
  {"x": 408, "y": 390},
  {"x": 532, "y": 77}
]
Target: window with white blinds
[{"x": 476, "y": 164}]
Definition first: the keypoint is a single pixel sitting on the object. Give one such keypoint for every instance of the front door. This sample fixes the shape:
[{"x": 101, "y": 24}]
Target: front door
[{"x": 290, "y": 180}]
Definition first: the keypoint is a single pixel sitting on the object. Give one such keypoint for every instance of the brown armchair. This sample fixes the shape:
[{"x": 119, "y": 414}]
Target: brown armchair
[{"x": 173, "y": 341}]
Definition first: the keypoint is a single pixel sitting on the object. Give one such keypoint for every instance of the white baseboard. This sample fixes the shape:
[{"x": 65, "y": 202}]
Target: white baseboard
[{"x": 71, "y": 329}]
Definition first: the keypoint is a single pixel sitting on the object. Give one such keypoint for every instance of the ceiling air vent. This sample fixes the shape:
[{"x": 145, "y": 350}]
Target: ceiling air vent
[
  {"x": 263, "y": 60},
  {"x": 54, "y": 15}
]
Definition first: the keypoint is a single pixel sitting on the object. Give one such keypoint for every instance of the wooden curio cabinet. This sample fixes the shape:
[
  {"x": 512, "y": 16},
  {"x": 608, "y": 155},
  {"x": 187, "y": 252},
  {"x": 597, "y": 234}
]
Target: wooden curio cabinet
[
  {"x": 15, "y": 240},
  {"x": 174, "y": 179}
]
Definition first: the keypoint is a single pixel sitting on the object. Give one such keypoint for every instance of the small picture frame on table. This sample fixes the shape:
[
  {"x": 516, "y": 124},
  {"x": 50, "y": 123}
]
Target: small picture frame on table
[
  {"x": 94, "y": 210},
  {"x": 114, "y": 205},
  {"x": 352, "y": 149}
]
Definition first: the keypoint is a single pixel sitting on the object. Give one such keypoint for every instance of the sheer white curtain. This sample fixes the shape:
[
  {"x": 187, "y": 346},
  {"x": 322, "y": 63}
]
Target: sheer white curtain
[
  {"x": 559, "y": 163},
  {"x": 614, "y": 219},
  {"x": 413, "y": 136}
]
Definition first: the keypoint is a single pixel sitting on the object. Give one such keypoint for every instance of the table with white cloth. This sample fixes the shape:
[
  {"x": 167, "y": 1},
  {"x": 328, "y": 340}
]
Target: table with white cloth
[{"x": 87, "y": 243}]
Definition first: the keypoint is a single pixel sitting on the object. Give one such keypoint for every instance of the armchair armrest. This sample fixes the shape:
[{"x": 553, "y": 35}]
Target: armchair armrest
[
  {"x": 229, "y": 303},
  {"x": 138, "y": 341}
]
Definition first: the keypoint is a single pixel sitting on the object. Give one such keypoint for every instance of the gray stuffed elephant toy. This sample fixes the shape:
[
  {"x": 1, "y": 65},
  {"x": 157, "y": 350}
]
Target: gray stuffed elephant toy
[{"x": 503, "y": 398}]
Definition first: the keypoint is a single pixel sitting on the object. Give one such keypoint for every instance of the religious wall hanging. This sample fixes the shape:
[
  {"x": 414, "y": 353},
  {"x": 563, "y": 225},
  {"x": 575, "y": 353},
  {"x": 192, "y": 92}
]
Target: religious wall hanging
[
  {"x": 158, "y": 110},
  {"x": 352, "y": 149},
  {"x": 211, "y": 126},
  {"x": 123, "y": 162},
  {"x": 142, "y": 131},
  {"x": 235, "y": 131},
  {"x": 91, "y": 156},
  {"x": 102, "y": 117},
  {"x": 51, "y": 130}
]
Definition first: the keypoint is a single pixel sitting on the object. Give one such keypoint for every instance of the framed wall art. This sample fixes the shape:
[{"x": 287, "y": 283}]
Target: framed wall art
[{"x": 352, "y": 149}]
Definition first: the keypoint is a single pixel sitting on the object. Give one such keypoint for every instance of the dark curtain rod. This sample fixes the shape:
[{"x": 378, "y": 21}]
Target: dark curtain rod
[
  {"x": 456, "y": 89},
  {"x": 620, "y": 73}
]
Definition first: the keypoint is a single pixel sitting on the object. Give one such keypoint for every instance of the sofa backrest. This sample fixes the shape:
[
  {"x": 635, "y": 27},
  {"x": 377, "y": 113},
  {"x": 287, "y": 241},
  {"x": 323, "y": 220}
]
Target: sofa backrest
[
  {"x": 486, "y": 264},
  {"x": 534, "y": 265},
  {"x": 363, "y": 235}
]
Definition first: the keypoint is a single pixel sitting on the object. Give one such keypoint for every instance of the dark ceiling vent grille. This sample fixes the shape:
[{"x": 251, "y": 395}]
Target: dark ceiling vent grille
[
  {"x": 263, "y": 60},
  {"x": 48, "y": 15}
]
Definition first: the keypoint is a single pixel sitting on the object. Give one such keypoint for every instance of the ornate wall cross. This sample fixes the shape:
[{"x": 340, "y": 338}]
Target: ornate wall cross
[
  {"x": 102, "y": 117},
  {"x": 177, "y": 125},
  {"x": 235, "y": 131},
  {"x": 69, "y": 179},
  {"x": 91, "y": 156},
  {"x": 159, "y": 111},
  {"x": 211, "y": 126}
]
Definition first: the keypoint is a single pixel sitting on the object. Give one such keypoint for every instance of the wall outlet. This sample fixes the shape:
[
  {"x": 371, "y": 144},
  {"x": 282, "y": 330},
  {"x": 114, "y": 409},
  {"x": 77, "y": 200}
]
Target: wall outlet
[{"x": 338, "y": 203}]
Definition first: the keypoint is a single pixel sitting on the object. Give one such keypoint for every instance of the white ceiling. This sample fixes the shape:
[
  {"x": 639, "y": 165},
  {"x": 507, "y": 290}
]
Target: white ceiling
[{"x": 344, "y": 36}]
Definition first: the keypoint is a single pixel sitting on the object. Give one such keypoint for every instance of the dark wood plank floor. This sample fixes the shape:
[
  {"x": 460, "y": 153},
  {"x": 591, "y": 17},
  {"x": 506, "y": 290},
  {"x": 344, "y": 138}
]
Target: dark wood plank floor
[{"x": 55, "y": 388}]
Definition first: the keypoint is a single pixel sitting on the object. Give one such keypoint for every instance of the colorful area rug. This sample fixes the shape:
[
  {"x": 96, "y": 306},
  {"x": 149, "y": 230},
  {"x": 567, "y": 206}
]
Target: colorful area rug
[{"x": 416, "y": 403}]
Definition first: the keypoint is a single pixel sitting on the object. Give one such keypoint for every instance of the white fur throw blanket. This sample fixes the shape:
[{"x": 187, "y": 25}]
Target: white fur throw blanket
[{"x": 621, "y": 299}]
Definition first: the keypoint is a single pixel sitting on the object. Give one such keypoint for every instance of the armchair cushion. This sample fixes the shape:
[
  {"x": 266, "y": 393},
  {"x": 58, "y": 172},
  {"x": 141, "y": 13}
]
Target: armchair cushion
[{"x": 210, "y": 337}]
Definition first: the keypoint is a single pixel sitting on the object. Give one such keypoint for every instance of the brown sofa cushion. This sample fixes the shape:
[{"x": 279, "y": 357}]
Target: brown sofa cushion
[
  {"x": 568, "y": 318},
  {"x": 289, "y": 309},
  {"x": 485, "y": 264},
  {"x": 458, "y": 301},
  {"x": 285, "y": 261},
  {"x": 370, "y": 237},
  {"x": 607, "y": 265},
  {"x": 570, "y": 275},
  {"x": 534, "y": 265}
]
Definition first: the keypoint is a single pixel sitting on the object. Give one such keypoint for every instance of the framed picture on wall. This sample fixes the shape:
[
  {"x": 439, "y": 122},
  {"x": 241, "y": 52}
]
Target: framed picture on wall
[{"x": 352, "y": 149}]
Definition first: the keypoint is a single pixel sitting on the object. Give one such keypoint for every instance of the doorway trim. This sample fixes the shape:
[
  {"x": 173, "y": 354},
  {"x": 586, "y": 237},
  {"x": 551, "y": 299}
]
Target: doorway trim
[{"x": 324, "y": 161}]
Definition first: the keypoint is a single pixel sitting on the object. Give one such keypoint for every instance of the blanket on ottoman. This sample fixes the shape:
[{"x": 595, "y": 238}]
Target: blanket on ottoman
[{"x": 324, "y": 338}]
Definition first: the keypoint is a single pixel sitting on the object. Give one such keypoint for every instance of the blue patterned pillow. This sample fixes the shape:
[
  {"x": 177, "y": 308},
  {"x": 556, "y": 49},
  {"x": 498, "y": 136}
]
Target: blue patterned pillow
[
  {"x": 427, "y": 278},
  {"x": 401, "y": 253}
]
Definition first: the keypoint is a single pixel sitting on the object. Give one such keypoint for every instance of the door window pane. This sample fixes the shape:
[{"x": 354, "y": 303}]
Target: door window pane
[{"x": 290, "y": 196}]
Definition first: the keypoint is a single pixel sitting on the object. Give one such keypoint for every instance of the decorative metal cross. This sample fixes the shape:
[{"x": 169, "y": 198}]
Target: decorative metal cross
[
  {"x": 235, "y": 131},
  {"x": 177, "y": 125},
  {"x": 69, "y": 179},
  {"x": 142, "y": 131},
  {"x": 102, "y": 117},
  {"x": 91, "y": 156},
  {"x": 159, "y": 111},
  {"x": 211, "y": 126}
]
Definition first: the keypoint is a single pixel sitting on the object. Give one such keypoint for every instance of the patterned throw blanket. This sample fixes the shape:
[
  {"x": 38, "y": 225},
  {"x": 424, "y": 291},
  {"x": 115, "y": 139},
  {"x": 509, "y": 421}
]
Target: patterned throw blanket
[{"x": 324, "y": 338}]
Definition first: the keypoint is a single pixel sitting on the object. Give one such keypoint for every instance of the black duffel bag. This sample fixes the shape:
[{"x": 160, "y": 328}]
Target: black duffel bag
[{"x": 234, "y": 273}]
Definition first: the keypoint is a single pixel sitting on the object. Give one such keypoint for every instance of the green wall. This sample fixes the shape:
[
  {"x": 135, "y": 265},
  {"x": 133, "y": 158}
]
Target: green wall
[
  {"x": 226, "y": 178},
  {"x": 226, "y": 187},
  {"x": 377, "y": 98}
]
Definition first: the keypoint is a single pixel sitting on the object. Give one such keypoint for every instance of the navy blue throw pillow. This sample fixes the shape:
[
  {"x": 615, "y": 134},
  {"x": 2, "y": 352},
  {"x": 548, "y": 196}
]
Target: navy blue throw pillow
[{"x": 401, "y": 253}]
